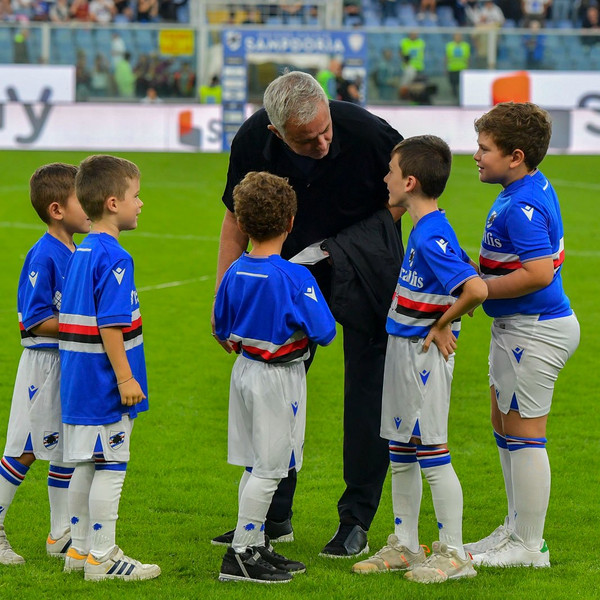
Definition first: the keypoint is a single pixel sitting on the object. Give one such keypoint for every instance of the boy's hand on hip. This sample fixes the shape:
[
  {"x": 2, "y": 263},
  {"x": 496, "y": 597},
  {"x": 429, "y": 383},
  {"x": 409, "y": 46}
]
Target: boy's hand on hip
[
  {"x": 443, "y": 338},
  {"x": 131, "y": 393}
]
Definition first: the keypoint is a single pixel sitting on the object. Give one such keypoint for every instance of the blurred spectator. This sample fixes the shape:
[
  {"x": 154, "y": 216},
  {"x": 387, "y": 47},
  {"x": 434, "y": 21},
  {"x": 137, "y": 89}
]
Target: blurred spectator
[
  {"x": 415, "y": 86},
  {"x": 117, "y": 48},
  {"x": 591, "y": 23},
  {"x": 21, "y": 9},
  {"x": 211, "y": 94},
  {"x": 20, "y": 48},
  {"x": 182, "y": 11},
  {"x": 534, "y": 43},
  {"x": 561, "y": 11},
  {"x": 326, "y": 79},
  {"x": 151, "y": 97},
  {"x": 426, "y": 11},
  {"x": 82, "y": 78},
  {"x": 253, "y": 16},
  {"x": 59, "y": 12},
  {"x": 485, "y": 17},
  {"x": 159, "y": 75},
  {"x": 346, "y": 90},
  {"x": 142, "y": 75},
  {"x": 102, "y": 11},
  {"x": 101, "y": 81},
  {"x": 534, "y": 10},
  {"x": 5, "y": 10},
  {"x": 80, "y": 10},
  {"x": 40, "y": 10},
  {"x": 184, "y": 81},
  {"x": 458, "y": 55},
  {"x": 123, "y": 11},
  {"x": 166, "y": 11},
  {"x": 414, "y": 47},
  {"x": 512, "y": 10},
  {"x": 388, "y": 9},
  {"x": 353, "y": 13},
  {"x": 386, "y": 76},
  {"x": 124, "y": 77},
  {"x": 147, "y": 11},
  {"x": 293, "y": 11},
  {"x": 581, "y": 10},
  {"x": 458, "y": 9}
]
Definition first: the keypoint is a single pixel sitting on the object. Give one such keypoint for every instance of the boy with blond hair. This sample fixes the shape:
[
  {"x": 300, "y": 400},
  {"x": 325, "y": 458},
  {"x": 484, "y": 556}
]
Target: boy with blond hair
[
  {"x": 35, "y": 427},
  {"x": 104, "y": 387}
]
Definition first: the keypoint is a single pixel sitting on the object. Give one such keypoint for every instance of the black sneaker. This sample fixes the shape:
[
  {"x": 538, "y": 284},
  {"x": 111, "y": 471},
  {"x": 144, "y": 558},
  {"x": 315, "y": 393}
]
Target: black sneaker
[
  {"x": 277, "y": 532},
  {"x": 250, "y": 566},
  {"x": 348, "y": 541},
  {"x": 280, "y": 562}
]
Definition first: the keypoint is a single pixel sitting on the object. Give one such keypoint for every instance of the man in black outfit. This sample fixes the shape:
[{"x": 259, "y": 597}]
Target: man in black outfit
[{"x": 335, "y": 155}]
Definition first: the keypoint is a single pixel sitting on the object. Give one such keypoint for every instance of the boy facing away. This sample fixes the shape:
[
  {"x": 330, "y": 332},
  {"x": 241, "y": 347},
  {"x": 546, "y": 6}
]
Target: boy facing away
[
  {"x": 534, "y": 331},
  {"x": 103, "y": 387},
  {"x": 268, "y": 309},
  {"x": 35, "y": 426},
  {"x": 437, "y": 285}
]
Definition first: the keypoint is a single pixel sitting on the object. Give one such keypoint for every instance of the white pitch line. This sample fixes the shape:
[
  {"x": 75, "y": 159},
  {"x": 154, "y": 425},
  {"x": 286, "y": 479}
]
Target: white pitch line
[{"x": 172, "y": 284}]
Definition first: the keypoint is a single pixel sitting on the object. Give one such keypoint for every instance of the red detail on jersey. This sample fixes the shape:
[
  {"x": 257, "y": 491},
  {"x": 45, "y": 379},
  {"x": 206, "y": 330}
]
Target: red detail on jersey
[
  {"x": 282, "y": 351},
  {"x": 496, "y": 264},
  {"x": 422, "y": 306},
  {"x": 135, "y": 325},
  {"x": 79, "y": 329}
]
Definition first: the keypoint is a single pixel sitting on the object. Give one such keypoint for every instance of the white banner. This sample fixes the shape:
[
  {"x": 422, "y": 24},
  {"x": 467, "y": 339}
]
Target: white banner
[{"x": 37, "y": 83}]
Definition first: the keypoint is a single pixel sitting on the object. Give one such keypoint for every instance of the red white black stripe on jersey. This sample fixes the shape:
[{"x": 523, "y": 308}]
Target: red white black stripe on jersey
[
  {"x": 495, "y": 264},
  {"x": 295, "y": 347},
  {"x": 420, "y": 309},
  {"x": 30, "y": 340},
  {"x": 80, "y": 333}
]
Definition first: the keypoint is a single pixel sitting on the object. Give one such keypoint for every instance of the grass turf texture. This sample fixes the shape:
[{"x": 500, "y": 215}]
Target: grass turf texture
[{"x": 180, "y": 492}]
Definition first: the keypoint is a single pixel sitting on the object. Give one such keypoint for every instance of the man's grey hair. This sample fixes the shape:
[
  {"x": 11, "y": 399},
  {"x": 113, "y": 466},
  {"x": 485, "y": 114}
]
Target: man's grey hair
[{"x": 295, "y": 96}]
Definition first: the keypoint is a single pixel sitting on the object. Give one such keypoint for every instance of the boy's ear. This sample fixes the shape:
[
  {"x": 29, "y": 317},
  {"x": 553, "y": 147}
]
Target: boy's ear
[
  {"x": 239, "y": 226},
  {"x": 55, "y": 211},
  {"x": 518, "y": 157},
  {"x": 112, "y": 204},
  {"x": 411, "y": 183},
  {"x": 290, "y": 225}
]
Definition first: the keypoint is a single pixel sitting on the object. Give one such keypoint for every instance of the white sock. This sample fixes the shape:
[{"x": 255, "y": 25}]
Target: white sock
[
  {"x": 504, "y": 455},
  {"x": 243, "y": 481},
  {"x": 59, "y": 477},
  {"x": 12, "y": 474},
  {"x": 105, "y": 495},
  {"x": 407, "y": 489},
  {"x": 447, "y": 496},
  {"x": 79, "y": 506},
  {"x": 254, "y": 505},
  {"x": 531, "y": 483}
]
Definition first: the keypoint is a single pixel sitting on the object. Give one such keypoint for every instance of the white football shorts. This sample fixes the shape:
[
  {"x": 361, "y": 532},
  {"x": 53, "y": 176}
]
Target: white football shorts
[
  {"x": 416, "y": 386},
  {"x": 525, "y": 358},
  {"x": 108, "y": 443},
  {"x": 267, "y": 416},
  {"x": 35, "y": 407}
]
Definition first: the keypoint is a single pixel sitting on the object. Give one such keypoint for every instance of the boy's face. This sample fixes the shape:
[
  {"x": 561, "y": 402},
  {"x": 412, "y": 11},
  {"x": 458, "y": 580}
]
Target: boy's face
[
  {"x": 396, "y": 183},
  {"x": 74, "y": 218},
  {"x": 130, "y": 206},
  {"x": 493, "y": 163}
]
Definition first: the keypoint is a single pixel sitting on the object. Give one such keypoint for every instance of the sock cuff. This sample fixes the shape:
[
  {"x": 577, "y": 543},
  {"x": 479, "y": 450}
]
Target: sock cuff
[
  {"x": 402, "y": 453},
  {"x": 517, "y": 443},
  {"x": 12, "y": 470},
  {"x": 432, "y": 457},
  {"x": 500, "y": 440},
  {"x": 59, "y": 476},
  {"x": 110, "y": 466}
]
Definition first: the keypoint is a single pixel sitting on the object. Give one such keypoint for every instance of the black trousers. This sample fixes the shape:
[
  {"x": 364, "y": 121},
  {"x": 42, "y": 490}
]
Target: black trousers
[{"x": 366, "y": 455}]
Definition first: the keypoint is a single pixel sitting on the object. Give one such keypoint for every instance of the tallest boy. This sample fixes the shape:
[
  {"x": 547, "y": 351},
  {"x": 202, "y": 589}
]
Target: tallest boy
[{"x": 335, "y": 155}]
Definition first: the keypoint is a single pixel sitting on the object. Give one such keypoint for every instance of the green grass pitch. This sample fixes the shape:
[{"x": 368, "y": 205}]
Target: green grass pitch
[{"x": 180, "y": 492}]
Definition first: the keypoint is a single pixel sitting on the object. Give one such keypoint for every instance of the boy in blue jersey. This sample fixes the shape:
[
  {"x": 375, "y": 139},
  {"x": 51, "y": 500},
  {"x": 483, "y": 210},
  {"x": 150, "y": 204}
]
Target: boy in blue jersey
[
  {"x": 103, "y": 387},
  {"x": 35, "y": 427},
  {"x": 268, "y": 310},
  {"x": 534, "y": 330},
  {"x": 436, "y": 286}
]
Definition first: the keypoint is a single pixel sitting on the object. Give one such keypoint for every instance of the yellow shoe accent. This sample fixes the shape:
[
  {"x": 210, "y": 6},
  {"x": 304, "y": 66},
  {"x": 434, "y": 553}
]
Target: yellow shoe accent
[
  {"x": 72, "y": 553},
  {"x": 92, "y": 561}
]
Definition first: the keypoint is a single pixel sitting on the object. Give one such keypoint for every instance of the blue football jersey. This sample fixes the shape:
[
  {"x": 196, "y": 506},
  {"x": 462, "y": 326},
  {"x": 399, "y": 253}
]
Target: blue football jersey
[
  {"x": 434, "y": 266},
  {"x": 270, "y": 308},
  {"x": 525, "y": 224},
  {"x": 99, "y": 291},
  {"x": 40, "y": 289}
]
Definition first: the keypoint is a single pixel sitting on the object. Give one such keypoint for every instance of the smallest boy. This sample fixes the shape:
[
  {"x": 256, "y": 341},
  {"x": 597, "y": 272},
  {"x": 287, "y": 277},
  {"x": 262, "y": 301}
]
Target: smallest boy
[
  {"x": 35, "y": 427},
  {"x": 437, "y": 285},
  {"x": 269, "y": 311},
  {"x": 103, "y": 387}
]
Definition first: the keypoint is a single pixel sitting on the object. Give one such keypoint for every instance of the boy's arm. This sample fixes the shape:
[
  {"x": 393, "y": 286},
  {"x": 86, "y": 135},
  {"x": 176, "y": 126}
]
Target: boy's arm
[
  {"x": 474, "y": 292},
  {"x": 129, "y": 388},
  {"x": 533, "y": 276},
  {"x": 48, "y": 328}
]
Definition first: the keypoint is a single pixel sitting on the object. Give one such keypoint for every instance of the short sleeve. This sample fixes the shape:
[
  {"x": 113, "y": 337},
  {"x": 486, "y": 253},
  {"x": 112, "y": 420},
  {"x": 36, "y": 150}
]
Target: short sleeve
[
  {"x": 114, "y": 295},
  {"x": 528, "y": 229}
]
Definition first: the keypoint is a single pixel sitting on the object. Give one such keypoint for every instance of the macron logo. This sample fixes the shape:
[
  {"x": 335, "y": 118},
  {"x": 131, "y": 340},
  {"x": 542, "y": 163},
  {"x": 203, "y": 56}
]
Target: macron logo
[
  {"x": 528, "y": 211},
  {"x": 32, "y": 390},
  {"x": 442, "y": 244},
  {"x": 118, "y": 273},
  {"x": 310, "y": 292},
  {"x": 33, "y": 278},
  {"x": 518, "y": 352},
  {"x": 424, "y": 376},
  {"x": 397, "y": 421}
]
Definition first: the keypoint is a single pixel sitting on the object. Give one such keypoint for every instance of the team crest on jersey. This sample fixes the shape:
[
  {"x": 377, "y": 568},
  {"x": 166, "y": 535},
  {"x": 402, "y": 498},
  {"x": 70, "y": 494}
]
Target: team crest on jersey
[
  {"x": 116, "y": 439},
  {"x": 491, "y": 219},
  {"x": 411, "y": 257},
  {"x": 50, "y": 439},
  {"x": 33, "y": 278},
  {"x": 118, "y": 273}
]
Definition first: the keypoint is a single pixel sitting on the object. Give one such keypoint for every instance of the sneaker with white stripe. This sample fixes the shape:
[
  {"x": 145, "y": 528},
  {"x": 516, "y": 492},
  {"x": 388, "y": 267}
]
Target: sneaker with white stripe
[
  {"x": 58, "y": 548},
  {"x": 118, "y": 566},
  {"x": 497, "y": 536}
]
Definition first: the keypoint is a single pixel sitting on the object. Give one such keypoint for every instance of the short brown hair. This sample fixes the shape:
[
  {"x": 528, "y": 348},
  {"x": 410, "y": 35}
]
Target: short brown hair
[
  {"x": 101, "y": 176},
  {"x": 264, "y": 204},
  {"x": 518, "y": 125},
  {"x": 50, "y": 183},
  {"x": 427, "y": 158}
]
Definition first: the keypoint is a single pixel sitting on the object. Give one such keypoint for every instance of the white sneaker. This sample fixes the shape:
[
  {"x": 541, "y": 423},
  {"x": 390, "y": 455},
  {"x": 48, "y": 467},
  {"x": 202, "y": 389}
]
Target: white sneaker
[
  {"x": 443, "y": 564},
  {"x": 512, "y": 552},
  {"x": 392, "y": 557},
  {"x": 118, "y": 566},
  {"x": 58, "y": 548},
  {"x": 7, "y": 555},
  {"x": 74, "y": 561},
  {"x": 497, "y": 536}
]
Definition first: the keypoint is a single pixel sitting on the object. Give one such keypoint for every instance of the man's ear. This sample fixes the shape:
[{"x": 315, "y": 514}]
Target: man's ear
[{"x": 274, "y": 130}]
